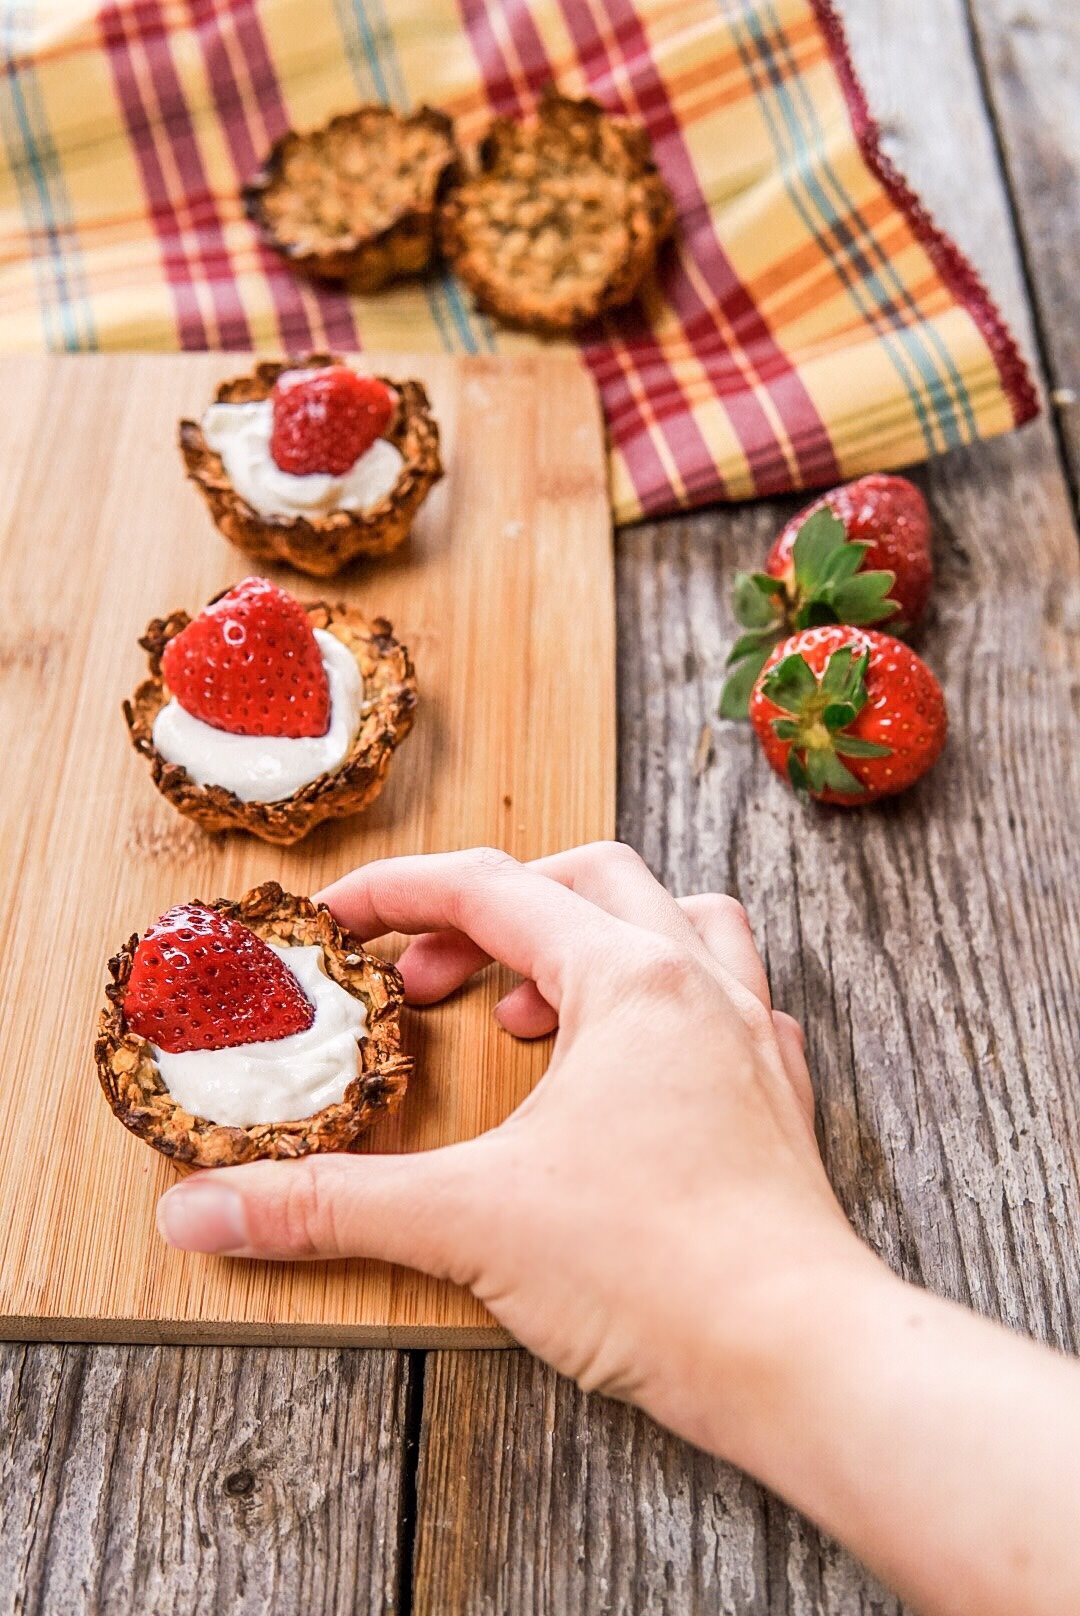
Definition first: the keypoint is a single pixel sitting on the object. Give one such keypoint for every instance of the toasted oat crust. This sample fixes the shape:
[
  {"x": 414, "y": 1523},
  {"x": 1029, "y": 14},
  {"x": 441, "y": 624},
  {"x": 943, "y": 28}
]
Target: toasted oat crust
[
  {"x": 387, "y": 717},
  {"x": 562, "y": 219},
  {"x": 321, "y": 545},
  {"x": 139, "y": 1099},
  {"x": 356, "y": 199}
]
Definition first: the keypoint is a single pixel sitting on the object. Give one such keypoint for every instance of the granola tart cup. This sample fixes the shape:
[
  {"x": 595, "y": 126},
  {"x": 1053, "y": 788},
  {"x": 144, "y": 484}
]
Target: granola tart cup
[
  {"x": 386, "y": 718},
  {"x": 133, "y": 1085},
  {"x": 356, "y": 199},
  {"x": 562, "y": 218},
  {"x": 320, "y": 545}
]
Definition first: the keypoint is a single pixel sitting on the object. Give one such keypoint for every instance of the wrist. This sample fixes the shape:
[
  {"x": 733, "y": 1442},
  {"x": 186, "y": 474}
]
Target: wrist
[{"x": 756, "y": 1357}]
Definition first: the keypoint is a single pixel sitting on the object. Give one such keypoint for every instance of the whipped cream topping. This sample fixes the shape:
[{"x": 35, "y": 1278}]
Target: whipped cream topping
[
  {"x": 267, "y": 768},
  {"x": 285, "y": 1078},
  {"x": 240, "y": 434}
]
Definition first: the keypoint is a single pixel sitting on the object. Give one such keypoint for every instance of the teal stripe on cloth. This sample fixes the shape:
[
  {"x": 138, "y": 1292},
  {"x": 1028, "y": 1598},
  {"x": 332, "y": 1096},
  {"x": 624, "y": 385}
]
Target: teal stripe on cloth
[
  {"x": 43, "y": 195},
  {"x": 369, "y": 48},
  {"x": 382, "y": 43},
  {"x": 750, "y": 56},
  {"x": 849, "y": 209}
]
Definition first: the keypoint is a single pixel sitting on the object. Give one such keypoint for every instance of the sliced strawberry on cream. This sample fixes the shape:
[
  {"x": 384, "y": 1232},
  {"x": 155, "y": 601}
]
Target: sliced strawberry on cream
[
  {"x": 202, "y": 981},
  {"x": 242, "y": 1032},
  {"x": 250, "y": 664},
  {"x": 314, "y": 446},
  {"x": 261, "y": 703},
  {"x": 324, "y": 420}
]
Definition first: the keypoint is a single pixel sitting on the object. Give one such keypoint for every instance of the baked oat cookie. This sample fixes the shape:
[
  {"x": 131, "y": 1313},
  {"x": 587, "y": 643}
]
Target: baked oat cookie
[
  {"x": 385, "y": 711},
  {"x": 356, "y": 199},
  {"x": 132, "y": 1079},
  {"x": 319, "y": 542},
  {"x": 561, "y": 219}
]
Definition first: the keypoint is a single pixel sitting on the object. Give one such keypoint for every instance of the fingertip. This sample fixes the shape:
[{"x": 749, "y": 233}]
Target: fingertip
[{"x": 525, "y": 1013}]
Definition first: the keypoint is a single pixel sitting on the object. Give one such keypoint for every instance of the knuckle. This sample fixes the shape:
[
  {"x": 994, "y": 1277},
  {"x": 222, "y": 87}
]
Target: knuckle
[
  {"x": 479, "y": 865},
  {"x": 718, "y": 909},
  {"x": 756, "y": 1016},
  {"x": 731, "y": 911},
  {"x": 484, "y": 860},
  {"x": 662, "y": 964},
  {"x": 787, "y": 1024},
  {"x": 307, "y": 1211},
  {"x": 617, "y": 855}
]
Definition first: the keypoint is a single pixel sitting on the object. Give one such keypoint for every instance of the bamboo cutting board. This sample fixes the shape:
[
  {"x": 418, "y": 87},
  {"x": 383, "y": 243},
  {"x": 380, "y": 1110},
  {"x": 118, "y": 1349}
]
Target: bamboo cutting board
[{"x": 503, "y": 594}]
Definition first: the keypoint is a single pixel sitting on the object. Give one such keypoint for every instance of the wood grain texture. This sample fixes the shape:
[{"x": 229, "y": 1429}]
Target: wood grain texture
[
  {"x": 929, "y": 946},
  {"x": 1030, "y": 51},
  {"x": 497, "y": 621},
  {"x": 192, "y": 1482}
]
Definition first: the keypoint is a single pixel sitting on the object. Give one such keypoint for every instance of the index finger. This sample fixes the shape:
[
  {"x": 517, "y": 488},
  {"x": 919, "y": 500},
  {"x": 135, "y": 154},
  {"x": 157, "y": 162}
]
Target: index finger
[{"x": 534, "y": 925}]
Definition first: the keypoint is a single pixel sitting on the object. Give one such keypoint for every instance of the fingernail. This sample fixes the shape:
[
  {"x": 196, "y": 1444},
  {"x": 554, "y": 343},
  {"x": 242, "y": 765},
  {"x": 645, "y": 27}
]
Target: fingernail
[
  {"x": 202, "y": 1217},
  {"x": 500, "y": 1008}
]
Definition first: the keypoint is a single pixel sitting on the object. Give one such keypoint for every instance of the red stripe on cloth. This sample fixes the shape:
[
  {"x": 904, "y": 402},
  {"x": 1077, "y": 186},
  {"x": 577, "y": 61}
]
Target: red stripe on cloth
[
  {"x": 189, "y": 321},
  {"x": 805, "y": 428},
  {"x": 338, "y": 326},
  {"x": 177, "y": 124},
  {"x": 638, "y": 344},
  {"x": 955, "y": 270},
  {"x": 293, "y": 323},
  {"x": 650, "y": 480},
  {"x": 174, "y": 125}
]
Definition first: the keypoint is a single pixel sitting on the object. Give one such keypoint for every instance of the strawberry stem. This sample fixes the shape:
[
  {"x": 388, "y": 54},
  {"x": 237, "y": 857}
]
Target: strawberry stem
[{"x": 821, "y": 711}]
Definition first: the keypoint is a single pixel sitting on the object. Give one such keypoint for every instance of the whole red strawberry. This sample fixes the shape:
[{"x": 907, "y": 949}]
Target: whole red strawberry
[
  {"x": 888, "y": 515},
  {"x": 848, "y": 715},
  {"x": 201, "y": 981},
  {"x": 859, "y": 554},
  {"x": 325, "y": 419},
  {"x": 250, "y": 664}
]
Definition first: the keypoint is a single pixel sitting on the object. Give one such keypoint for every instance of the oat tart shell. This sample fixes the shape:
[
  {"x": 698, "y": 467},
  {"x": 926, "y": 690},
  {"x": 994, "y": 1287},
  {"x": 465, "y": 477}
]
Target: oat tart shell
[
  {"x": 139, "y": 1099},
  {"x": 356, "y": 199},
  {"x": 386, "y": 718},
  {"x": 561, "y": 219},
  {"x": 320, "y": 545}
]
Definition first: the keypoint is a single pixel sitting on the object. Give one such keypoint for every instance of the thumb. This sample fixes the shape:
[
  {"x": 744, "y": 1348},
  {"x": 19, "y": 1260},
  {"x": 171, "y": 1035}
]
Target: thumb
[{"x": 418, "y": 1210}]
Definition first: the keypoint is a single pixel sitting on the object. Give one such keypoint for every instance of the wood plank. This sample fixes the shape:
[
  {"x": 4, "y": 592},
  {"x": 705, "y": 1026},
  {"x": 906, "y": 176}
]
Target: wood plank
[
  {"x": 484, "y": 598},
  {"x": 190, "y": 1482},
  {"x": 1031, "y": 55},
  {"x": 930, "y": 946}
]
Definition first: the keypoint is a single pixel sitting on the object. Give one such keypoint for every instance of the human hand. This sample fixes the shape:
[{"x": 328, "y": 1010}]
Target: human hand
[
  {"x": 644, "y": 1219},
  {"x": 655, "y": 1221}
]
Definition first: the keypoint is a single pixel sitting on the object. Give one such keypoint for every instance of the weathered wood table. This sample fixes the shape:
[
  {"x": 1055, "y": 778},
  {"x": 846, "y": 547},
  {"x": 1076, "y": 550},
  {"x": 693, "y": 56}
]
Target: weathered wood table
[{"x": 932, "y": 952}]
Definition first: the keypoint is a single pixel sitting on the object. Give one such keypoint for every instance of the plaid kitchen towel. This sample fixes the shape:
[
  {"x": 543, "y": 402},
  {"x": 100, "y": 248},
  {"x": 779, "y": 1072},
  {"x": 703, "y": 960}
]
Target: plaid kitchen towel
[{"x": 810, "y": 324}]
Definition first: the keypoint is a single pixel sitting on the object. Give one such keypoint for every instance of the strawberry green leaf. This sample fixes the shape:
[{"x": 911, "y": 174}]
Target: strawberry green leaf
[
  {"x": 865, "y": 598},
  {"x": 790, "y": 683},
  {"x": 767, "y": 584},
  {"x": 836, "y": 679},
  {"x": 854, "y": 746},
  {"x": 844, "y": 563},
  {"x": 785, "y": 729},
  {"x": 815, "y": 613},
  {"x": 817, "y": 540},
  {"x": 735, "y": 695},
  {"x": 752, "y": 606},
  {"x": 838, "y": 715},
  {"x": 749, "y": 644},
  {"x": 827, "y": 773},
  {"x": 797, "y": 774}
]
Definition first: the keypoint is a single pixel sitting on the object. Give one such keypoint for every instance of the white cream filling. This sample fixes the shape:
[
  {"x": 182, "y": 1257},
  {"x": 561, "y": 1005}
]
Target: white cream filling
[
  {"x": 267, "y": 768},
  {"x": 240, "y": 434},
  {"x": 285, "y": 1078}
]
